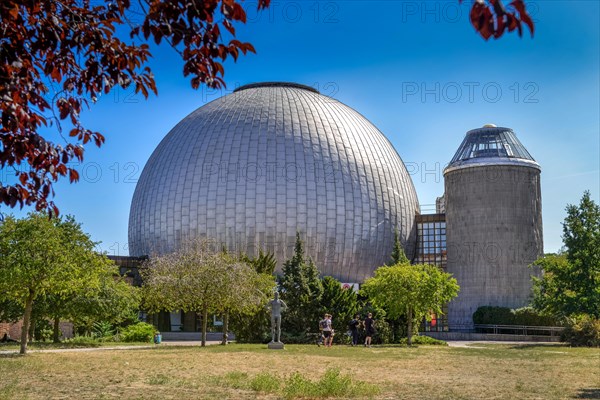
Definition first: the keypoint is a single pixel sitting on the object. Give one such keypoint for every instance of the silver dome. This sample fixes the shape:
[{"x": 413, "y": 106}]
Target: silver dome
[{"x": 254, "y": 167}]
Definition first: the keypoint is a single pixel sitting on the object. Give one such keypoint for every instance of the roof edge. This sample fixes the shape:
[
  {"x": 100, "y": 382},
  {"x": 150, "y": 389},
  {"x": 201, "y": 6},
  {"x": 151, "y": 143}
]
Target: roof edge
[
  {"x": 276, "y": 84},
  {"x": 492, "y": 161}
]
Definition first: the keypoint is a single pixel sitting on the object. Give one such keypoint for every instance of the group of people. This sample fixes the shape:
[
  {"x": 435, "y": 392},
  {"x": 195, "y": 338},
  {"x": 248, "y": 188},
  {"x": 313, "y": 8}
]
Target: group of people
[{"x": 327, "y": 332}]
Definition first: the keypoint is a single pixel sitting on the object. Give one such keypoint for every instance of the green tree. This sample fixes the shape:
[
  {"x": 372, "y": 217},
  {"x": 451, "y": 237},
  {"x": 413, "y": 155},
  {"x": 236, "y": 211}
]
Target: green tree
[
  {"x": 302, "y": 290},
  {"x": 570, "y": 283},
  {"x": 398, "y": 255},
  {"x": 341, "y": 303},
  {"x": 45, "y": 257},
  {"x": 114, "y": 301},
  {"x": 411, "y": 290},
  {"x": 249, "y": 289},
  {"x": 198, "y": 278},
  {"x": 255, "y": 327}
]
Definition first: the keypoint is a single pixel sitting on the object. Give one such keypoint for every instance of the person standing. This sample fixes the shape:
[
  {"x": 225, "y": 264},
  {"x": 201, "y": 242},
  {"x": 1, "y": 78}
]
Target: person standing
[
  {"x": 369, "y": 329},
  {"x": 353, "y": 326},
  {"x": 327, "y": 330}
]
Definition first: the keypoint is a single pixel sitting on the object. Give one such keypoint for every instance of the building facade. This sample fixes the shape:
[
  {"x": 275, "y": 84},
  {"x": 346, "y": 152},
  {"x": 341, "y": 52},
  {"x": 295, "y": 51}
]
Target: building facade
[
  {"x": 252, "y": 168},
  {"x": 493, "y": 222}
]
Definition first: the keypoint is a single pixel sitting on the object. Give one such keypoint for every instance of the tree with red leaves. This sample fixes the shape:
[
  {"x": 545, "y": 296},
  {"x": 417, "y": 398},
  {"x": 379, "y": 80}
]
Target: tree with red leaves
[
  {"x": 58, "y": 56},
  {"x": 492, "y": 18}
]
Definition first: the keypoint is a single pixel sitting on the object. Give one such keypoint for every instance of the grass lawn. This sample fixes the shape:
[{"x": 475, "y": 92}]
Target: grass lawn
[{"x": 250, "y": 371}]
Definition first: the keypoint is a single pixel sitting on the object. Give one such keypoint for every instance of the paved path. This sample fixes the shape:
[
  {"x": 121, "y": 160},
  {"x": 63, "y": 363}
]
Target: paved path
[
  {"x": 86, "y": 349},
  {"x": 477, "y": 343}
]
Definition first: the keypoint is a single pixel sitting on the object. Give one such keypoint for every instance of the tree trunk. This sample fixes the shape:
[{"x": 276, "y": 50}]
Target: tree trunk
[
  {"x": 225, "y": 327},
  {"x": 26, "y": 318},
  {"x": 410, "y": 328},
  {"x": 204, "y": 325},
  {"x": 31, "y": 329},
  {"x": 56, "y": 330}
]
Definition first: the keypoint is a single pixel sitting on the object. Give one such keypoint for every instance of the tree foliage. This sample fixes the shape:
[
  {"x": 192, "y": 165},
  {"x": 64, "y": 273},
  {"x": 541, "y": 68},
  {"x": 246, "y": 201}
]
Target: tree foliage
[
  {"x": 570, "y": 283},
  {"x": 398, "y": 254},
  {"x": 491, "y": 18},
  {"x": 201, "y": 279},
  {"x": 58, "y": 56},
  {"x": 45, "y": 258},
  {"x": 341, "y": 303},
  {"x": 255, "y": 327},
  {"x": 415, "y": 291},
  {"x": 301, "y": 289}
]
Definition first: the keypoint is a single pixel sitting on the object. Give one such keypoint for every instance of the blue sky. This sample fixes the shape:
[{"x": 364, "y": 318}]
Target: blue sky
[{"x": 416, "y": 69}]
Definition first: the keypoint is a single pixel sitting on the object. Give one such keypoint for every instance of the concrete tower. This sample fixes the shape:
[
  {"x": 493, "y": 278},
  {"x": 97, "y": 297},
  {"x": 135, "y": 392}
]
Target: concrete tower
[{"x": 494, "y": 222}]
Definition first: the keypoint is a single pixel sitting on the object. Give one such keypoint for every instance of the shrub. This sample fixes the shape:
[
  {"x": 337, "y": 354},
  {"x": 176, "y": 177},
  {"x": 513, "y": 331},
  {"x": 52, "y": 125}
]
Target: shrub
[
  {"x": 493, "y": 315},
  {"x": 264, "y": 382},
  {"x": 489, "y": 315},
  {"x": 298, "y": 386},
  {"x": 383, "y": 332},
  {"x": 332, "y": 384},
  {"x": 530, "y": 317},
  {"x": 82, "y": 341},
  {"x": 103, "y": 331},
  {"x": 582, "y": 331},
  {"x": 424, "y": 340},
  {"x": 43, "y": 330},
  {"x": 140, "y": 332}
]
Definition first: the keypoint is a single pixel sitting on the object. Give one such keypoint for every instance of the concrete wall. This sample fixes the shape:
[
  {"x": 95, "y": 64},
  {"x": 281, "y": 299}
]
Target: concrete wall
[
  {"x": 14, "y": 329},
  {"x": 494, "y": 231},
  {"x": 490, "y": 336}
]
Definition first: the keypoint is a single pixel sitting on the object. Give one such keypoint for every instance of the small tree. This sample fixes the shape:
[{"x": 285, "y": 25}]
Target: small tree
[
  {"x": 570, "y": 284},
  {"x": 302, "y": 290},
  {"x": 200, "y": 279},
  {"x": 249, "y": 290},
  {"x": 412, "y": 290},
  {"x": 339, "y": 302},
  {"x": 255, "y": 327},
  {"x": 44, "y": 257},
  {"x": 398, "y": 254}
]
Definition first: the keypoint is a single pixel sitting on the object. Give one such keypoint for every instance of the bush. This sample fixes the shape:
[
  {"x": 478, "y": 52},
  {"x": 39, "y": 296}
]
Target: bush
[
  {"x": 82, "y": 341},
  {"x": 530, "y": 317},
  {"x": 383, "y": 332},
  {"x": 424, "y": 340},
  {"x": 103, "y": 331},
  {"x": 265, "y": 382},
  {"x": 254, "y": 328},
  {"x": 489, "y": 315},
  {"x": 582, "y": 331},
  {"x": 43, "y": 330},
  {"x": 140, "y": 332}
]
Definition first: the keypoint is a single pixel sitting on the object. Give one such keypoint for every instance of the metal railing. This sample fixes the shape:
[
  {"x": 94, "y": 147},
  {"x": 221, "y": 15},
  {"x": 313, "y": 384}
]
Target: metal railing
[{"x": 520, "y": 329}]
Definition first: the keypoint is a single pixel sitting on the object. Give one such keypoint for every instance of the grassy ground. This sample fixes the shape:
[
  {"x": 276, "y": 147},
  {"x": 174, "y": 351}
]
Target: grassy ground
[{"x": 249, "y": 371}]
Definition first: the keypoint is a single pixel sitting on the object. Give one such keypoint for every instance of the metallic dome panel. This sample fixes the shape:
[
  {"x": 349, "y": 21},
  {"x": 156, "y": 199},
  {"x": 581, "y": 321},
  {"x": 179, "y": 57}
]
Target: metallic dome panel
[{"x": 253, "y": 167}]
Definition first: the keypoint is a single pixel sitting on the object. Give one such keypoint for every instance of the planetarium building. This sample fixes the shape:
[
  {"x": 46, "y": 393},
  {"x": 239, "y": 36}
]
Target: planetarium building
[
  {"x": 255, "y": 167},
  {"x": 252, "y": 168}
]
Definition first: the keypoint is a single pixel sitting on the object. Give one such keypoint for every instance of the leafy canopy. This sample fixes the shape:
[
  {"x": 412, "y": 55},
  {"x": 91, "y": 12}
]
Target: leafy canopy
[
  {"x": 415, "y": 291},
  {"x": 570, "y": 283},
  {"x": 45, "y": 263},
  {"x": 57, "y": 57},
  {"x": 302, "y": 290},
  {"x": 198, "y": 277}
]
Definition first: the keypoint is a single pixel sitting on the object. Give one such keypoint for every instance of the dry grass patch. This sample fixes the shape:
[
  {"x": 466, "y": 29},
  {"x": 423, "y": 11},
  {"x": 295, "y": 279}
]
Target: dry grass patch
[{"x": 251, "y": 371}]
